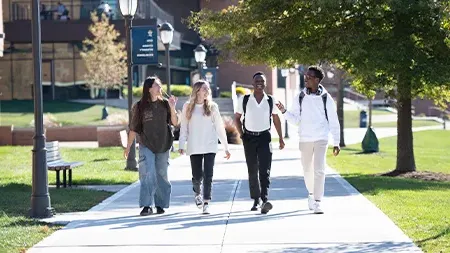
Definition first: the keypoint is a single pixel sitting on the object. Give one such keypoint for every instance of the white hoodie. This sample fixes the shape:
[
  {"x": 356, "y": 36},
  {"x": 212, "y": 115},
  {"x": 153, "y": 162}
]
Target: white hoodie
[{"x": 312, "y": 123}]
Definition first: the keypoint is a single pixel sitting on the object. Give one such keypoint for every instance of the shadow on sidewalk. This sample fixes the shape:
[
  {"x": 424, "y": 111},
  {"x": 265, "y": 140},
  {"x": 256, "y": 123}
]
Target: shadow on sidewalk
[
  {"x": 367, "y": 247},
  {"x": 282, "y": 188}
]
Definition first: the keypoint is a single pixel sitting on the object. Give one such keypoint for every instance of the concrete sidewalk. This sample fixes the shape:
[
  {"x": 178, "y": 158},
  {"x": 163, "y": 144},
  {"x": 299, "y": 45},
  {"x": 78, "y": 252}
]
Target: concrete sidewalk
[{"x": 351, "y": 223}]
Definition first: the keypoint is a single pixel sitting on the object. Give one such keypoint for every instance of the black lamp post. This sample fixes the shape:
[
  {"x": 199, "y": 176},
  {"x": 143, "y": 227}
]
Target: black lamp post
[
  {"x": 128, "y": 9},
  {"x": 166, "y": 35},
  {"x": 200, "y": 56},
  {"x": 40, "y": 198}
]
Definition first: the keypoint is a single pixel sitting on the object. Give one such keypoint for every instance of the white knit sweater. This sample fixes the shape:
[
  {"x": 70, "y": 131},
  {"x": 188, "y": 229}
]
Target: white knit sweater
[{"x": 202, "y": 132}]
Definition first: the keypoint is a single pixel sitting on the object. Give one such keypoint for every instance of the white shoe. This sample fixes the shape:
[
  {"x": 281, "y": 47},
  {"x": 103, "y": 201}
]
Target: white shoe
[
  {"x": 317, "y": 209},
  {"x": 199, "y": 201},
  {"x": 311, "y": 202},
  {"x": 205, "y": 209}
]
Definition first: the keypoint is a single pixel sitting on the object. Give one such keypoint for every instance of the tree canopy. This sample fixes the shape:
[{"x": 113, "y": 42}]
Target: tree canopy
[
  {"x": 104, "y": 55},
  {"x": 399, "y": 46}
]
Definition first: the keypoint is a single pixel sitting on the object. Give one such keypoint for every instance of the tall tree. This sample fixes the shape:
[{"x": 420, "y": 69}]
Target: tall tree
[
  {"x": 405, "y": 41},
  {"x": 104, "y": 57}
]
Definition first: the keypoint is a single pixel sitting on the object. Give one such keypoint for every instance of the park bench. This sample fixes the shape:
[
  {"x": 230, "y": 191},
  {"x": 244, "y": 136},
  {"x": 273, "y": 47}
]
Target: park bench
[{"x": 55, "y": 163}]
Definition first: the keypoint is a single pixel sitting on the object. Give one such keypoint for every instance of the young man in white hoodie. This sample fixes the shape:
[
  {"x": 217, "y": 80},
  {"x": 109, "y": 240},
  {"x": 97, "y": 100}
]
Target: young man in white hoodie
[{"x": 314, "y": 112}]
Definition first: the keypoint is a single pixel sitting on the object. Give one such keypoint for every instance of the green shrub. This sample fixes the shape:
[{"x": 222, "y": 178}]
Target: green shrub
[
  {"x": 225, "y": 94},
  {"x": 242, "y": 91},
  {"x": 178, "y": 90}
]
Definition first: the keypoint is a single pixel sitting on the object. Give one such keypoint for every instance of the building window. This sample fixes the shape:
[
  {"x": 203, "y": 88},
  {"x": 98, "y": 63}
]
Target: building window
[
  {"x": 21, "y": 51},
  {"x": 22, "y": 79},
  {"x": 281, "y": 81},
  {"x": 63, "y": 50},
  {"x": 6, "y": 88}
]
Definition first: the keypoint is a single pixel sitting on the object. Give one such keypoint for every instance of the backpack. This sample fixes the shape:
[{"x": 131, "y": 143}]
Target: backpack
[
  {"x": 324, "y": 100},
  {"x": 244, "y": 107}
]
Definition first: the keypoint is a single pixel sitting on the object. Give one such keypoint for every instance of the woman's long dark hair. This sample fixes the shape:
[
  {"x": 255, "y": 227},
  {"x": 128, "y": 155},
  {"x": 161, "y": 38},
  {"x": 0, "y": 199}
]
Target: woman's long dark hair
[{"x": 145, "y": 99}]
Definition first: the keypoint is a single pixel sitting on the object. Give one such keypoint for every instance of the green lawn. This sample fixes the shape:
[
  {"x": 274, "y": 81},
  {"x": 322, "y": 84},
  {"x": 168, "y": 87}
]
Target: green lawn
[
  {"x": 415, "y": 123},
  {"x": 419, "y": 208},
  {"x": 17, "y": 232},
  {"x": 351, "y": 118},
  {"x": 20, "y": 113}
]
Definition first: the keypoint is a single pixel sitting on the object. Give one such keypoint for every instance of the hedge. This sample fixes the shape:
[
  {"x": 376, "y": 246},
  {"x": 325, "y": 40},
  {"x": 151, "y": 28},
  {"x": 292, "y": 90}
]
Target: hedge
[
  {"x": 225, "y": 94},
  {"x": 178, "y": 90}
]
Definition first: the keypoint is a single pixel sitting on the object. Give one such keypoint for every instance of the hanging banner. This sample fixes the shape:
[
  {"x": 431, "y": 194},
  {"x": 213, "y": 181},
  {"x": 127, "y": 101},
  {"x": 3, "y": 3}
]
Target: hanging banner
[{"x": 144, "y": 41}]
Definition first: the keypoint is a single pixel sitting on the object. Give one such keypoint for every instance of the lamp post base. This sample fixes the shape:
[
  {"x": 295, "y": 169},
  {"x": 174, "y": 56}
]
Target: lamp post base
[
  {"x": 40, "y": 207},
  {"x": 105, "y": 113}
]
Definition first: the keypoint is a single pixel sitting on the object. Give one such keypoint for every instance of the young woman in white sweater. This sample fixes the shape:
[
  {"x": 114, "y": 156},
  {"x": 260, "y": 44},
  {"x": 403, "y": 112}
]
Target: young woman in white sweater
[{"x": 201, "y": 127}]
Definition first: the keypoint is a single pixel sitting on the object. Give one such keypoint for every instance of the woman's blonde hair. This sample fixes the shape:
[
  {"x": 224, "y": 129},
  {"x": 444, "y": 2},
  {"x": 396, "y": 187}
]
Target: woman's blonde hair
[{"x": 207, "y": 104}]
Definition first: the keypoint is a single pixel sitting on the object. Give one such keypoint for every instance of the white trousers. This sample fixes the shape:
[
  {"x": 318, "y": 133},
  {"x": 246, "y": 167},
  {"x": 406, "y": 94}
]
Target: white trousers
[{"x": 313, "y": 156}]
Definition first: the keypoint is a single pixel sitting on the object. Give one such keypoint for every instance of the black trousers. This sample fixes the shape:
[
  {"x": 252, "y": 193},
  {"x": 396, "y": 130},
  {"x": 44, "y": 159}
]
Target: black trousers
[
  {"x": 258, "y": 154},
  {"x": 202, "y": 171}
]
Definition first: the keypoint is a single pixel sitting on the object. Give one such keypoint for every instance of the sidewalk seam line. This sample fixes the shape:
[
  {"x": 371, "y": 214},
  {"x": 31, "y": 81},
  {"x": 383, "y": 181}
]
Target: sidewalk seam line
[{"x": 229, "y": 213}]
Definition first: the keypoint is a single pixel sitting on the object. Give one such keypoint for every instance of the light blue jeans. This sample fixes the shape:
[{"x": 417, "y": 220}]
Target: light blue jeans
[{"x": 155, "y": 185}]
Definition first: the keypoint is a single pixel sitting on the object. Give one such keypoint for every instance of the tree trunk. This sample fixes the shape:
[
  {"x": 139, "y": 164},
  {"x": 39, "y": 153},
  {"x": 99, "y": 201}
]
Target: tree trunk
[
  {"x": 405, "y": 151},
  {"x": 340, "y": 108},
  {"x": 370, "y": 113}
]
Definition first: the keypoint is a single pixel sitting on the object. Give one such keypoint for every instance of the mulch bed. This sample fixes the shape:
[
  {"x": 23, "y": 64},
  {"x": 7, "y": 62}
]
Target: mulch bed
[
  {"x": 427, "y": 175},
  {"x": 423, "y": 175}
]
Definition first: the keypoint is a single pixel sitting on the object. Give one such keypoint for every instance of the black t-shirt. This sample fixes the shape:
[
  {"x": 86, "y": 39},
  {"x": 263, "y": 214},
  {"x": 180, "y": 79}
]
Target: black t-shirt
[{"x": 152, "y": 123}]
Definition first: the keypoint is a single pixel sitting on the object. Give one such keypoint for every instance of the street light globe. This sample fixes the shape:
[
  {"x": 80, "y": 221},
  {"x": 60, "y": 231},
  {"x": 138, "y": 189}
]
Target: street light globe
[
  {"x": 166, "y": 31},
  {"x": 128, "y": 7},
  {"x": 284, "y": 72},
  {"x": 200, "y": 53},
  {"x": 330, "y": 74}
]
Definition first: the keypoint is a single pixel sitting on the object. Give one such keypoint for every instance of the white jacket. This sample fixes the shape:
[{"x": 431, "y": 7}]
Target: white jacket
[{"x": 312, "y": 123}]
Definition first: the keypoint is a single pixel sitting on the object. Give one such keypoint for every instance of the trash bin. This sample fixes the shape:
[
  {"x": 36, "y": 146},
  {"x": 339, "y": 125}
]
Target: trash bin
[{"x": 363, "y": 119}]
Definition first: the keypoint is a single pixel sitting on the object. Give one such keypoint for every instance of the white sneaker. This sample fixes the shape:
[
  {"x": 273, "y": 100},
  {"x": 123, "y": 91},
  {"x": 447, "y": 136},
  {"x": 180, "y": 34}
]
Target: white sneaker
[
  {"x": 317, "y": 209},
  {"x": 199, "y": 201},
  {"x": 311, "y": 202},
  {"x": 205, "y": 209}
]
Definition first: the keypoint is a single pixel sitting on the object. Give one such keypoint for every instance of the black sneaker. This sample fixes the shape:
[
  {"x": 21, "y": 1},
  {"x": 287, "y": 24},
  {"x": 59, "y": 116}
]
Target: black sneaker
[
  {"x": 266, "y": 207},
  {"x": 255, "y": 205},
  {"x": 159, "y": 210},
  {"x": 146, "y": 211}
]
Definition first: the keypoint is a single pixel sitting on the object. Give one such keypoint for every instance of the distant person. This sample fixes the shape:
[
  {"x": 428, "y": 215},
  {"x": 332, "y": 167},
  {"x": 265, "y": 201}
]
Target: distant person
[
  {"x": 152, "y": 117},
  {"x": 201, "y": 127},
  {"x": 314, "y": 112},
  {"x": 104, "y": 8},
  {"x": 60, "y": 9}
]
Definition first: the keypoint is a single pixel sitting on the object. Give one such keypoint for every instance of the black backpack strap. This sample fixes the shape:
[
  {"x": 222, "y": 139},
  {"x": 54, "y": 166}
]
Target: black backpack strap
[
  {"x": 244, "y": 103},
  {"x": 300, "y": 100},
  {"x": 270, "y": 100},
  {"x": 324, "y": 100},
  {"x": 244, "y": 108}
]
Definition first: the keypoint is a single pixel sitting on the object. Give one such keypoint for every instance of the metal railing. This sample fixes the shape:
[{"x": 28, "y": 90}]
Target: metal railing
[
  {"x": 149, "y": 9},
  {"x": 81, "y": 9}
]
